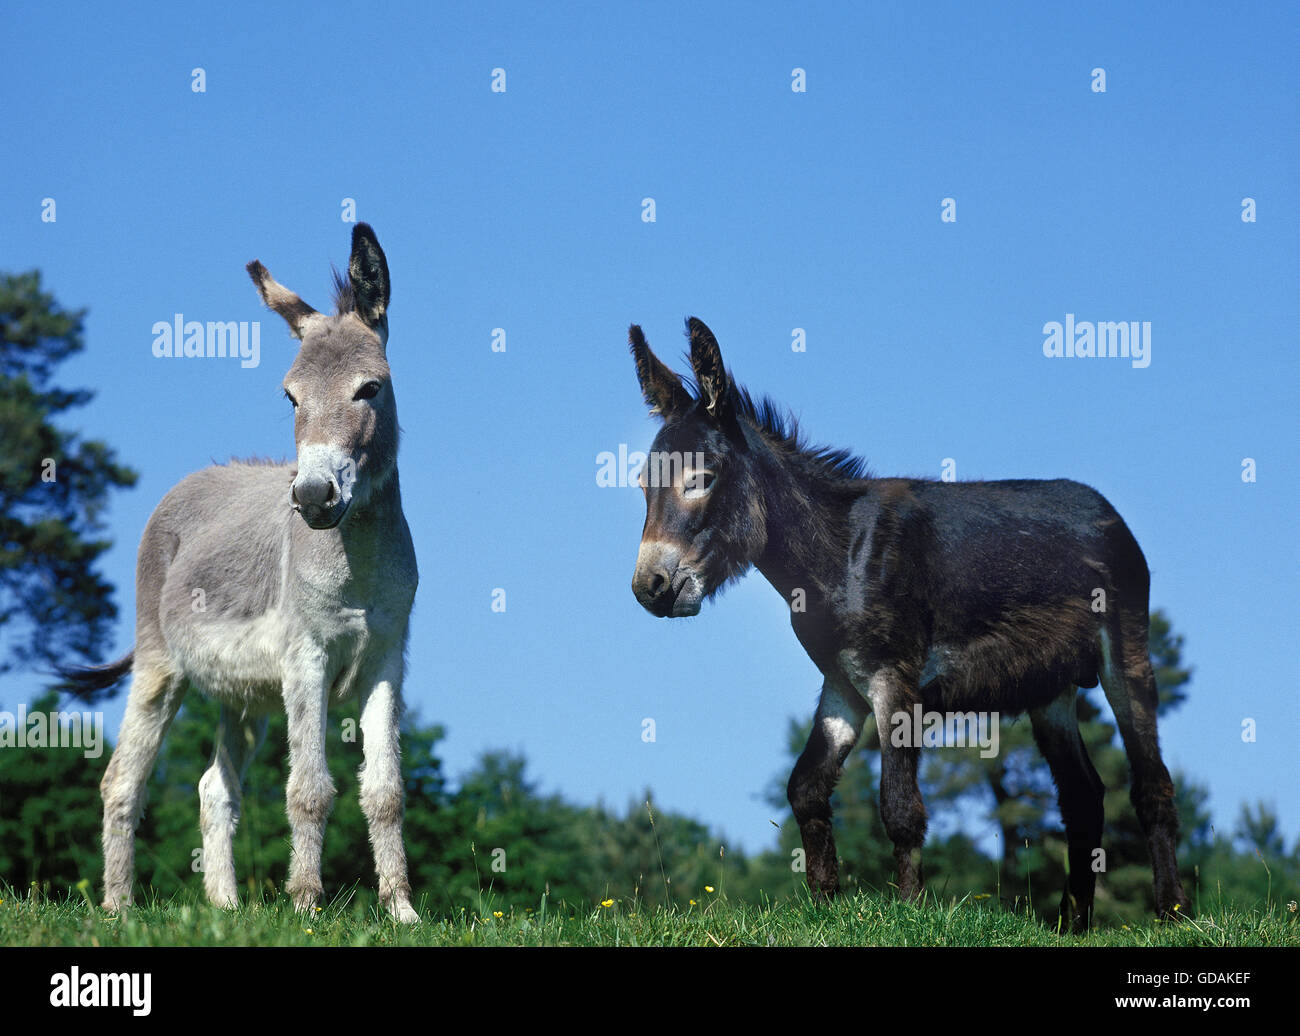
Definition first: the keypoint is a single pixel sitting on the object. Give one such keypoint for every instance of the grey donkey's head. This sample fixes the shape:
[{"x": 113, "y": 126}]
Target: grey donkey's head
[{"x": 345, "y": 418}]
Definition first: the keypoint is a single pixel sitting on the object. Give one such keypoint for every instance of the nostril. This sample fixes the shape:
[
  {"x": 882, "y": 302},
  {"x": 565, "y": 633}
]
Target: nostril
[
  {"x": 653, "y": 587},
  {"x": 315, "y": 492}
]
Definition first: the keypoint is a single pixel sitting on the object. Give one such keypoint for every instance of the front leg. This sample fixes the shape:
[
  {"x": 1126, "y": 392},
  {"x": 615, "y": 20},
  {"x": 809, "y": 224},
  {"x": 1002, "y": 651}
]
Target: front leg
[
  {"x": 901, "y": 806},
  {"x": 836, "y": 726},
  {"x": 309, "y": 795},
  {"x": 382, "y": 793}
]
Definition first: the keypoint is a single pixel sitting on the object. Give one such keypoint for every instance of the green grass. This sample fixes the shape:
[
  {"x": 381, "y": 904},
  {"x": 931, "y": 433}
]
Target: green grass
[{"x": 859, "y": 920}]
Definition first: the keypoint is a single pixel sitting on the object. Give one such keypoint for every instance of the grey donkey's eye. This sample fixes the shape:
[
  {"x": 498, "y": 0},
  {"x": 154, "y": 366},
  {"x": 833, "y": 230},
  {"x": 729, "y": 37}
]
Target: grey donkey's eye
[
  {"x": 289, "y": 396},
  {"x": 368, "y": 391}
]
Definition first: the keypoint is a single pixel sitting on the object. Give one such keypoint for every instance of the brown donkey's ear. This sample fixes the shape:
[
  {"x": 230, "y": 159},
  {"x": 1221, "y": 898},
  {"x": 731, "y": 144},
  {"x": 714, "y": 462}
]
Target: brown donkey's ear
[
  {"x": 706, "y": 361},
  {"x": 663, "y": 390},
  {"x": 279, "y": 298},
  {"x": 368, "y": 272}
]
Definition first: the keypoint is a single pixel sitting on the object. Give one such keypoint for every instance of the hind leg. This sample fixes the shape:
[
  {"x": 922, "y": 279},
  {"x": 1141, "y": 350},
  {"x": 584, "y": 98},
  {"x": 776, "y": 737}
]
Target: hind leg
[
  {"x": 1080, "y": 793},
  {"x": 1130, "y": 686},
  {"x": 836, "y": 726},
  {"x": 220, "y": 791},
  {"x": 155, "y": 696}
]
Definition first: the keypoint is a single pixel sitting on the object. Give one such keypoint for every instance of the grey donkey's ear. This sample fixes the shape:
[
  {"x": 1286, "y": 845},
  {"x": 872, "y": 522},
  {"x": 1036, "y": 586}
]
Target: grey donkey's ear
[
  {"x": 663, "y": 390},
  {"x": 710, "y": 375},
  {"x": 368, "y": 272},
  {"x": 279, "y": 298}
]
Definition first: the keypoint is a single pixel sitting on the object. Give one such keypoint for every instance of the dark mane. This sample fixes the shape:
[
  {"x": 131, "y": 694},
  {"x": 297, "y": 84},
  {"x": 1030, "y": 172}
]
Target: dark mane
[
  {"x": 343, "y": 297},
  {"x": 782, "y": 429}
]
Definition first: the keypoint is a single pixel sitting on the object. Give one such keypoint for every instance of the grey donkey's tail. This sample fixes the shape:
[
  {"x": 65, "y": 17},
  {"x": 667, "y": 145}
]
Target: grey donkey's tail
[{"x": 90, "y": 682}]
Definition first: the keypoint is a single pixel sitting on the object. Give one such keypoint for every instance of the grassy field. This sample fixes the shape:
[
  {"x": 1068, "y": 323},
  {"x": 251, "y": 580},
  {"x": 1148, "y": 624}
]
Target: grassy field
[{"x": 860, "y": 920}]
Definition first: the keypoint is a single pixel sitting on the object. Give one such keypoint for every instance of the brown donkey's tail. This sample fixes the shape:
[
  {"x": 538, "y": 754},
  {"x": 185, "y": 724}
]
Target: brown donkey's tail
[{"x": 90, "y": 682}]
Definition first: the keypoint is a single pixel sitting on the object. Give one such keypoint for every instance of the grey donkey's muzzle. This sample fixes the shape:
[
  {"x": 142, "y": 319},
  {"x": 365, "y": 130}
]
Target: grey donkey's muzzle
[{"x": 322, "y": 490}]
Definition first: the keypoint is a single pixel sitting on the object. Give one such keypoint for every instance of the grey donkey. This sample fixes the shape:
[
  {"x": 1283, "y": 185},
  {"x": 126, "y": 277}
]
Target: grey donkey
[{"x": 262, "y": 583}]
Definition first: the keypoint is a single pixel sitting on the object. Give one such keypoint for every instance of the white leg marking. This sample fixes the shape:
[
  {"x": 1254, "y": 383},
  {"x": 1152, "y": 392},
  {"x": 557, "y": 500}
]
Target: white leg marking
[{"x": 382, "y": 795}]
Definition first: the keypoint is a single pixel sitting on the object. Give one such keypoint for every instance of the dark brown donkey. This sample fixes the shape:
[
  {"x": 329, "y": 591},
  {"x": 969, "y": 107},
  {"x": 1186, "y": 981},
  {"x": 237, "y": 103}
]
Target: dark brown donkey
[{"x": 997, "y": 597}]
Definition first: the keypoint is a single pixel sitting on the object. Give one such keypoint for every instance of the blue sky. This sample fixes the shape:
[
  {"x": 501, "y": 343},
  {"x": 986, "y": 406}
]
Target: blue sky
[{"x": 775, "y": 210}]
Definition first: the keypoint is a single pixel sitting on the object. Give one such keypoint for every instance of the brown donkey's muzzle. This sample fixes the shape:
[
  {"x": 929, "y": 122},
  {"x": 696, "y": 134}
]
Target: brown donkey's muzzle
[
  {"x": 663, "y": 585},
  {"x": 653, "y": 589}
]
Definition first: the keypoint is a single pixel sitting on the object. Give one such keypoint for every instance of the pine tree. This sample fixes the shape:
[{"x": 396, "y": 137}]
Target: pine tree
[{"x": 54, "y": 606}]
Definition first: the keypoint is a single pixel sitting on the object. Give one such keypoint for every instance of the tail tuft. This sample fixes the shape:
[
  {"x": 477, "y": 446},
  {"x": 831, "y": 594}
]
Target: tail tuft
[{"x": 90, "y": 682}]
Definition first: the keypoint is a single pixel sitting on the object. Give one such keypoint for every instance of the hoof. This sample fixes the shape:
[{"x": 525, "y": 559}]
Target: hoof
[
  {"x": 1069, "y": 924},
  {"x": 305, "y": 902},
  {"x": 115, "y": 902},
  {"x": 1069, "y": 919}
]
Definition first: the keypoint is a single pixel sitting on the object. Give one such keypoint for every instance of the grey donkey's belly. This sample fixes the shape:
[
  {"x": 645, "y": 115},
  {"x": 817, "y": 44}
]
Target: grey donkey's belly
[{"x": 248, "y": 662}]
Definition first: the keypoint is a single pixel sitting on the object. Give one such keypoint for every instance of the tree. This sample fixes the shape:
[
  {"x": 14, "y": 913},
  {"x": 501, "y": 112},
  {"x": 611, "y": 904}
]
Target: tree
[
  {"x": 53, "y": 488},
  {"x": 49, "y": 812},
  {"x": 1257, "y": 830}
]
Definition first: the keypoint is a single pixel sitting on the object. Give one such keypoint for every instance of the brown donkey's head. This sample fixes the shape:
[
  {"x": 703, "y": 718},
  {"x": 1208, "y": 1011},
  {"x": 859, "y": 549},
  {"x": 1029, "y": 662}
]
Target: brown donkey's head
[
  {"x": 345, "y": 418},
  {"x": 705, "y": 521}
]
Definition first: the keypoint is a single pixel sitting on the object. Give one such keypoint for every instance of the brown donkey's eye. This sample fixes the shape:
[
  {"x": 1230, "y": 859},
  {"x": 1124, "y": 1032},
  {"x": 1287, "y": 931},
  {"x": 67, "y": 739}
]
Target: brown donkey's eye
[
  {"x": 368, "y": 391},
  {"x": 697, "y": 483}
]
